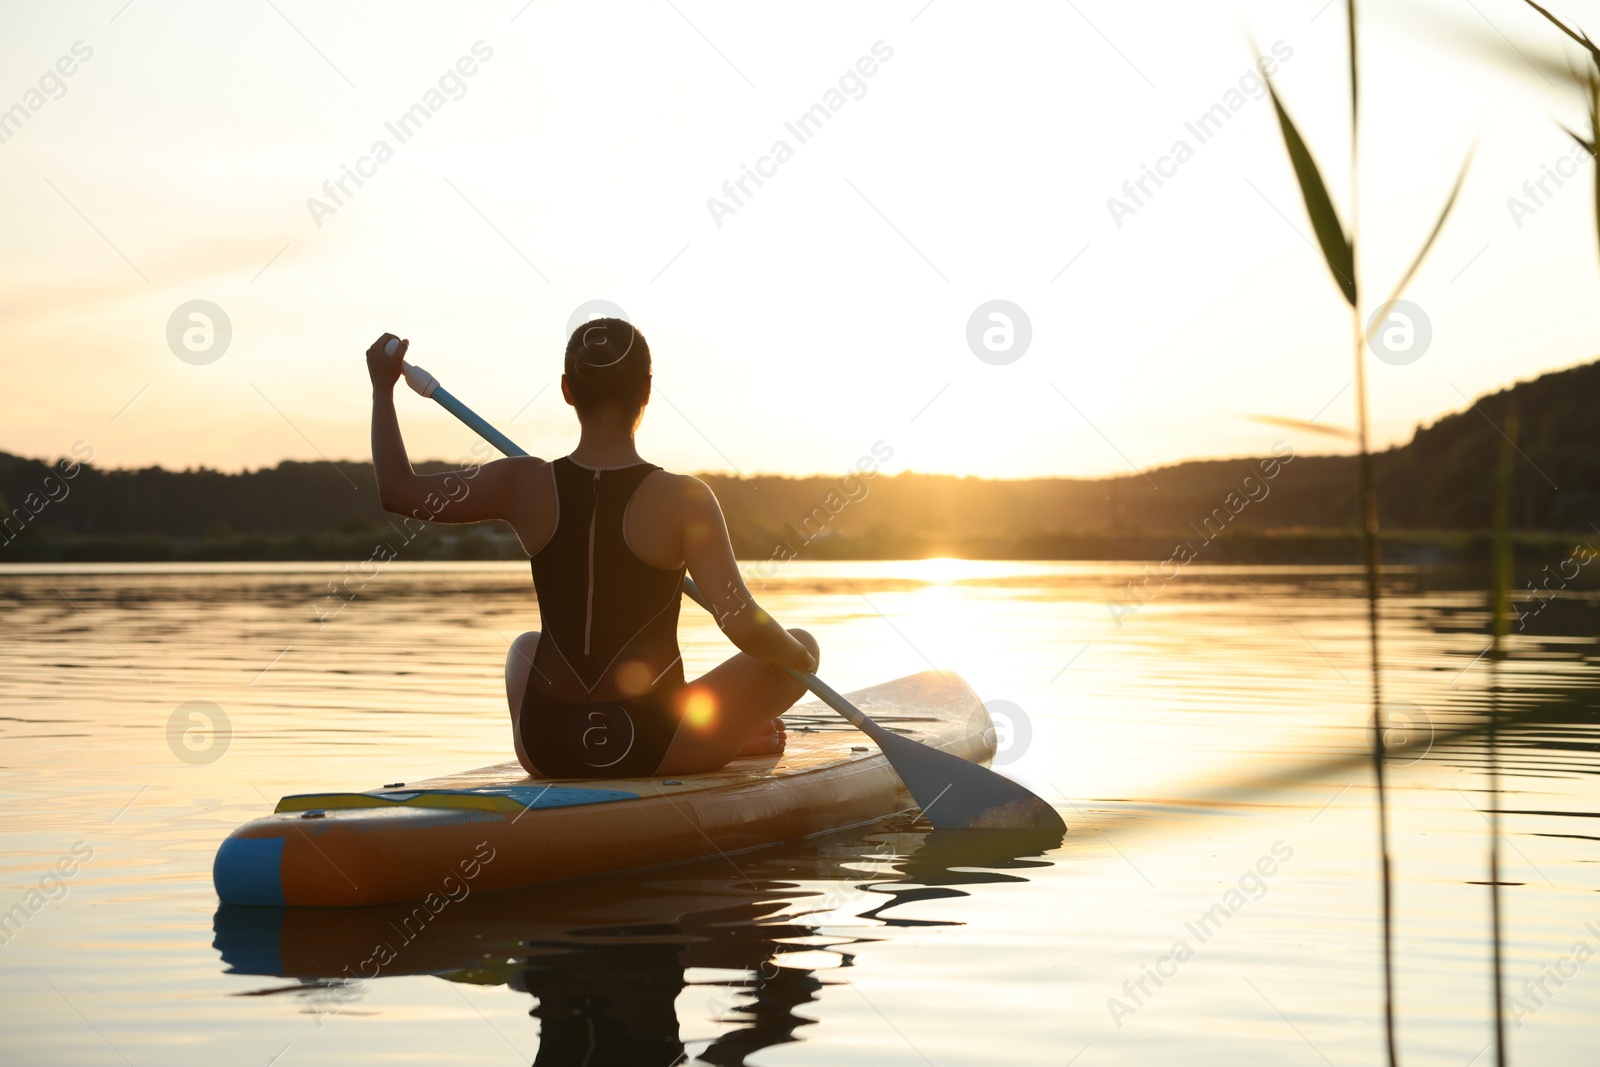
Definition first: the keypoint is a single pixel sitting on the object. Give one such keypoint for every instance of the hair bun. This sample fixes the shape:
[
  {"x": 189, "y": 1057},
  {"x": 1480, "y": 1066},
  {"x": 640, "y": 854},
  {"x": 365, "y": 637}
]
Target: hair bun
[
  {"x": 608, "y": 363},
  {"x": 597, "y": 342}
]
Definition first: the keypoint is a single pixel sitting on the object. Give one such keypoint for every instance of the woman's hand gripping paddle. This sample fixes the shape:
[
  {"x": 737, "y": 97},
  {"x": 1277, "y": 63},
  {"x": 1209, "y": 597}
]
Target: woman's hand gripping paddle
[{"x": 952, "y": 792}]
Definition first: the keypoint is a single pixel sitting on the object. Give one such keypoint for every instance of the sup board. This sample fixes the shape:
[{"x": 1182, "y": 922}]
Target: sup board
[
  {"x": 715, "y": 914},
  {"x": 496, "y": 828}
]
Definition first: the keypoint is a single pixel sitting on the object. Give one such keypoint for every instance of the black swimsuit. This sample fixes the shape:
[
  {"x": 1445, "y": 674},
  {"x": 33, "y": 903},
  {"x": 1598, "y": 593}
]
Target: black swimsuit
[{"x": 600, "y": 700}]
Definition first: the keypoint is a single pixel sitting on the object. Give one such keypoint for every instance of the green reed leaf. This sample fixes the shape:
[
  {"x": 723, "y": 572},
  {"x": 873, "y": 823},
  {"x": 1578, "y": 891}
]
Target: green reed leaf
[
  {"x": 1350, "y": 16},
  {"x": 1336, "y": 248},
  {"x": 1592, "y": 86},
  {"x": 1422, "y": 253},
  {"x": 1307, "y": 427},
  {"x": 1581, "y": 38}
]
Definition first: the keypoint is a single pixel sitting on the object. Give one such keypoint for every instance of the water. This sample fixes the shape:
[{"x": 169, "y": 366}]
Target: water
[{"x": 1215, "y": 897}]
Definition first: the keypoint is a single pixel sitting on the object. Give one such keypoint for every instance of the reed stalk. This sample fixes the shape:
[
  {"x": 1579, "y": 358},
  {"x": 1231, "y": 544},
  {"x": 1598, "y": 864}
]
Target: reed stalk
[
  {"x": 1338, "y": 251},
  {"x": 1504, "y": 562}
]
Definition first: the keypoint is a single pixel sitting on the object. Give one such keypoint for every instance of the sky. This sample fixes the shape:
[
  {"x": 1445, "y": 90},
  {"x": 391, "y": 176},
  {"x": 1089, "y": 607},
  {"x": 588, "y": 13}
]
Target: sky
[{"x": 572, "y": 153}]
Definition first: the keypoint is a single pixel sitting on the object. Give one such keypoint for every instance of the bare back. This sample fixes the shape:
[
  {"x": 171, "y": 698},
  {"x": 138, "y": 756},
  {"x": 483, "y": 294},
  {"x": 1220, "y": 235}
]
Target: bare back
[{"x": 673, "y": 520}]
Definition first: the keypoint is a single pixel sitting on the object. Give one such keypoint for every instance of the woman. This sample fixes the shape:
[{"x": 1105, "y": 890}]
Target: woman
[{"x": 601, "y": 692}]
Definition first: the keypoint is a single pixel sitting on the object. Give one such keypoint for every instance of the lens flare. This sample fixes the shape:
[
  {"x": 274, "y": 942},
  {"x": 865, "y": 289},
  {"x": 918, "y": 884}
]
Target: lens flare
[
  {"x": 633, "y": 678},
  {"x": 700, "y": 711}
]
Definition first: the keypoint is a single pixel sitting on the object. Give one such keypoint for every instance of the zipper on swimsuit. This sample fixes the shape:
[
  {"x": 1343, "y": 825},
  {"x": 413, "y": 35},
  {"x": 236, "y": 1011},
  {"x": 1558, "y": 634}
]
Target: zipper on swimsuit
[{"x": 588, "y": 618}]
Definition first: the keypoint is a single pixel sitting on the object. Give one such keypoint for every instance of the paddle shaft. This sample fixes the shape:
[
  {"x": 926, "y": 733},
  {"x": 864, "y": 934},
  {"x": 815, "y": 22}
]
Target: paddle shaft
[
  {"x": 822, "y": 689},
  {"x": 425, "y": 384}
]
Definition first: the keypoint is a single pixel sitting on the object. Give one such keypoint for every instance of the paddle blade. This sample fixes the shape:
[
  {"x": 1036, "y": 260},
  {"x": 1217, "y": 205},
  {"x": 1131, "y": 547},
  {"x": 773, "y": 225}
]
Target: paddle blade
[
  {"x": 957, "y": 794},
  {"x": 952, "y": 792}
]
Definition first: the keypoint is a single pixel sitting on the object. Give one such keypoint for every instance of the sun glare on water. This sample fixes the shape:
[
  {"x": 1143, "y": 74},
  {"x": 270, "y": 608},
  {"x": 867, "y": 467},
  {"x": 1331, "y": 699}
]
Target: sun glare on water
[{"x": 942, "y": 569}]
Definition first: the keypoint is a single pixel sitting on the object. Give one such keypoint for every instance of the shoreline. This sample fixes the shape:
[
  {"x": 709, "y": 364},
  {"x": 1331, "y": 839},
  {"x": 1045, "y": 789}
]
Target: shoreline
[{"x": 1469, "y": 547}]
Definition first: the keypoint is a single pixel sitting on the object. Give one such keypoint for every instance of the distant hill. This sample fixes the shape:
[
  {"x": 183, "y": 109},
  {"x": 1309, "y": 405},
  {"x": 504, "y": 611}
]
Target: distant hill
[{"x": 1442, "y": 480}]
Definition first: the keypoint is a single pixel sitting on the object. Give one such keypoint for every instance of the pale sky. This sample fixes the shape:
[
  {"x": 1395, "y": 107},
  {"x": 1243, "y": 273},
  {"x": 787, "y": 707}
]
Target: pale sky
[{"x": 828, "y": 311}]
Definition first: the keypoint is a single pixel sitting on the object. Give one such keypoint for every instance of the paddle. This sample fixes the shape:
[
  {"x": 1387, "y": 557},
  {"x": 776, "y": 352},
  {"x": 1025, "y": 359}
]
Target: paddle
[{"x": 953, "y": 793}]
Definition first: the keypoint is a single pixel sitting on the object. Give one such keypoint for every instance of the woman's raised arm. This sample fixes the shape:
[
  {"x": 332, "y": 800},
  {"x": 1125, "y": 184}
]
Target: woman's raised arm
[{"x": 471, "y": 495}]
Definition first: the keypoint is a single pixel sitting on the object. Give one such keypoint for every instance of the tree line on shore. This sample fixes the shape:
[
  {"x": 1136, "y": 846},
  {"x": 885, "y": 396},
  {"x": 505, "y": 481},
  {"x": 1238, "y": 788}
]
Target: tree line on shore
[{"x": 1435, "y": 494}]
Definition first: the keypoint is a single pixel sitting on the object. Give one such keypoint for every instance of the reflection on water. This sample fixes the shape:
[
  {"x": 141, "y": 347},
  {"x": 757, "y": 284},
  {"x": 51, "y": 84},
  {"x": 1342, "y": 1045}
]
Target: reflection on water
[
  {"x": 606, "y": 960},
  {"x": 1225, "y": 720}
]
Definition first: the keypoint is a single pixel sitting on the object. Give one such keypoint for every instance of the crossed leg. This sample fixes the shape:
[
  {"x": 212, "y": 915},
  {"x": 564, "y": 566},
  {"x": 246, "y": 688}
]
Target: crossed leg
[
  {"x": 731, "y": 710},
  {"x": 519, "y": 665}
]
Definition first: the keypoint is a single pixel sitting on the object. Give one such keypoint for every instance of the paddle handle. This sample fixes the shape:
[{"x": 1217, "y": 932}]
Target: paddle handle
[
  {"x": 424, "y": 384},
  {"x": 427, "y": 386}
]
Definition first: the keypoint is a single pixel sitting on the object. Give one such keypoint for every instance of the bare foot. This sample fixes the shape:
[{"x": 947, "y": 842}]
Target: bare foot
[{"x": 768, "y": 742}]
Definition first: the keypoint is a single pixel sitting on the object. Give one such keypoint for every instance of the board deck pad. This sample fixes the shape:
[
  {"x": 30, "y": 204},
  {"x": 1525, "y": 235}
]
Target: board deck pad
[
  {"x": 815, "y": 740},
  {"x": 528, "y": 797}
]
